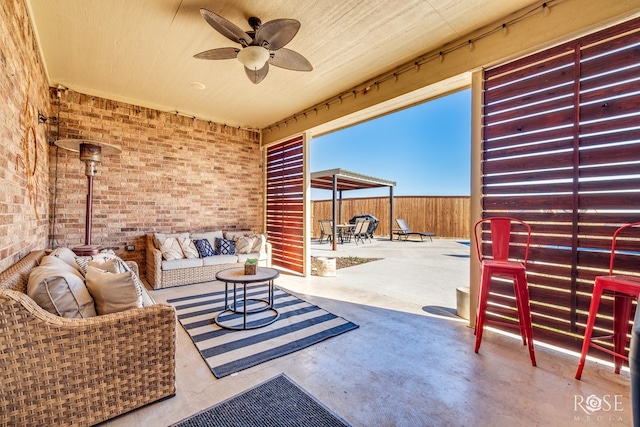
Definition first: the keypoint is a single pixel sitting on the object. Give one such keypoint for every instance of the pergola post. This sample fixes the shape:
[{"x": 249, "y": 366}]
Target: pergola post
[
  {"x": 335, "y": 213},
  {"x": 391, "y": 214}
]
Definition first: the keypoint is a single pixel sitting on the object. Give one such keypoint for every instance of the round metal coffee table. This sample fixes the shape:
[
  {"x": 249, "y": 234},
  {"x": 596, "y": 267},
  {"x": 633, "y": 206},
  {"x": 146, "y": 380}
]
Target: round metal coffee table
[{"x": 237, "y": 277}]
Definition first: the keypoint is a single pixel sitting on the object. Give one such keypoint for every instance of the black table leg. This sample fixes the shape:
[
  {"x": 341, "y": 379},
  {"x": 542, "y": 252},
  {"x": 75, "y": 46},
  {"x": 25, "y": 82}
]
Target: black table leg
[
  {"x": 226, "y": 290},
  {"x": 245, "y": 305}
]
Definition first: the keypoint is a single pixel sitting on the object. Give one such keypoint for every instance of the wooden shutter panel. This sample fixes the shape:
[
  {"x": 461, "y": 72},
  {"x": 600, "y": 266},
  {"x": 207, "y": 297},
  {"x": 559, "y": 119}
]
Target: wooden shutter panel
[
  {"x": 561, "y": 150},
  {"x": 285, "y": 203}
]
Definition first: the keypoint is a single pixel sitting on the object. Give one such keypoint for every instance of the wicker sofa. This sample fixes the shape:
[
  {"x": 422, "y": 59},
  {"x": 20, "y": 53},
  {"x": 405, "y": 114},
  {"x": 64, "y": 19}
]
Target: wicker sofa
[
  {"x": 60, "y": 371},
  {"x": 163, "y": 274}
]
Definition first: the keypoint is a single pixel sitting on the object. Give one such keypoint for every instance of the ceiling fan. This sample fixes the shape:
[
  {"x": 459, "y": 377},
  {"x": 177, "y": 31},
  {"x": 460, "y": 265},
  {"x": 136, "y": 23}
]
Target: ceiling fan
[{"x": 260, "y": 47}]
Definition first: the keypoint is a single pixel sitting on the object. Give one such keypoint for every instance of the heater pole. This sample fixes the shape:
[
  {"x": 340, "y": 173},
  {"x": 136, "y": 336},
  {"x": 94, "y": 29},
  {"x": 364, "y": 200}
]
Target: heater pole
[{"x": 87, "y": 230}]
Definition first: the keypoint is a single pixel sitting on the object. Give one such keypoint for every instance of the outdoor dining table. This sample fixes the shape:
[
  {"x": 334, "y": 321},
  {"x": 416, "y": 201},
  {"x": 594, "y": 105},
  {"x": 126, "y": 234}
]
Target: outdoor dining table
[{"x": 341, "y": 229}]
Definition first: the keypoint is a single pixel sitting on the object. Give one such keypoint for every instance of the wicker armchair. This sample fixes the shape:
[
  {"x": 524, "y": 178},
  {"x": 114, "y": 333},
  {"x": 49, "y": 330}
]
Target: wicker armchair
[{"x": 58, "y": 371}]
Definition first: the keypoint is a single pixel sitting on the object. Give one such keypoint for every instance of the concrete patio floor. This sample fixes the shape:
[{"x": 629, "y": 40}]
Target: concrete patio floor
[{"x": 411, "y": 361}]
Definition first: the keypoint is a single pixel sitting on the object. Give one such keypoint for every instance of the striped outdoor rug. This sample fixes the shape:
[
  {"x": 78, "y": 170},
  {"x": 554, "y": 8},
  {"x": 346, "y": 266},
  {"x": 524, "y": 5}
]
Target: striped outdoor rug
[{"x": 300, "y": 325}]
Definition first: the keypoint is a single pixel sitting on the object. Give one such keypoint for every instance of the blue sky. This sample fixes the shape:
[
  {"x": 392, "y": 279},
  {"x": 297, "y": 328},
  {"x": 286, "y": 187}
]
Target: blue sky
[{"x": 425, "y": 149}]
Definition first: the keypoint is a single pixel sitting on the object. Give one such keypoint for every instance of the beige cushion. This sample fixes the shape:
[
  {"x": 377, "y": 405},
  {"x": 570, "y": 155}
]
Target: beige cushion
[
  {"x": 189, "y": 249},
  {"x": 110, "y": 265},
  {"x": 157, "y": 237},
  {"x": 247, "y": 241},
  {"x": 245, "y": 244},
  {"x": 220, "y": 259},
  {"x": 147, "y": 300},
  {"x": 65, "y": 254},
  {"x": 260, "y": 241},
  {"x": 176, "y": 264},
  {"x": 170, "y": 248},
  {"x": 59, "y": 288},
  {"x": 55, "y": 261},
  {"x": 232, "y": 235},
  {"x": 112, "y": 293},
  {"x": 83, "y": 262},
  {"x": 107, "y": 260}
]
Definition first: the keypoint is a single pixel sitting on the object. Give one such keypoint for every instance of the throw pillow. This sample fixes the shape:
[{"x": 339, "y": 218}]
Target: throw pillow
[
  {"x": 204, "y": 247},
  {"x": 66, "y": 255},
  {"x": 160, "y": 237},
  {"x": 59, "y": 289},
  {"x": 108, "y": 260},
  {"x": 170, "y": 248},
  {"x": 225, "y": 247},
  {"x": 110, "y": 265},
  {"x": 233, "y": 235},
  {"x": 50, "y": 260},
  {"x": 111, "y": 292},
  {"x": 105, "y": 255},
  {"x": 188, "y": 247},
  {"x": 245, "y": 244},
  {"x": 259, "y": 243}
]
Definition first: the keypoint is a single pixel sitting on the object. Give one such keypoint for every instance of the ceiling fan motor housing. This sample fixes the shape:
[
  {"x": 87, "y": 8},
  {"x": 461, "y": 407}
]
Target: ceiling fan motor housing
[{"x": 255, "y": 23}]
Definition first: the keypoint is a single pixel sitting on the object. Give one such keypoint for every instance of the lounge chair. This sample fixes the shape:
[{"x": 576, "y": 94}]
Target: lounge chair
[{"x": 406, "y": 231}]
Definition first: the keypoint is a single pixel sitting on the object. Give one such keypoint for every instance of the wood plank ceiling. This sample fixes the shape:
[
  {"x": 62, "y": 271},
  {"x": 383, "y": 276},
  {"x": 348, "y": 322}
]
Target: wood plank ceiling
[{"x": 141, "y": 51}]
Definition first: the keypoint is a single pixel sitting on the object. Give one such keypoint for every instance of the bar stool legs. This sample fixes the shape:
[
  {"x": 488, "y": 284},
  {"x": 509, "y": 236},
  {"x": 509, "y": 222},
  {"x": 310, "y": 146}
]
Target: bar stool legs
[
  {"x": 521, "y": 291},
  {"x": 623, "y": 299}
]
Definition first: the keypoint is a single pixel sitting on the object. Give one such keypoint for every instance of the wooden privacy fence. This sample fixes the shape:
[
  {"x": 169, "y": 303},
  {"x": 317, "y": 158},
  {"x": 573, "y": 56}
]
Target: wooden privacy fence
[{"x": 447, "y": 216}]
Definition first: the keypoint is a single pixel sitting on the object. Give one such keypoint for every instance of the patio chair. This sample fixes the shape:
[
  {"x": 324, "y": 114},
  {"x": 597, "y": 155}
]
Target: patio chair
[
  {"x": 624, "y": 288},
  {"x": 326, "y": 229},
  {"x": 406, "y": 231},
  {"x": 361, "y": 231},
  {"x": 347, "y": 231},
  {"x": 503, "y": 231}
]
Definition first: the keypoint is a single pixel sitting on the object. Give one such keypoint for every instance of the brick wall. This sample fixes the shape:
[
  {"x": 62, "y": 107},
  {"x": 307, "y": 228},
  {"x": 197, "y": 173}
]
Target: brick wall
[
  {"x": 175, "y": 174},
  {"x": 24, "y": 160}
]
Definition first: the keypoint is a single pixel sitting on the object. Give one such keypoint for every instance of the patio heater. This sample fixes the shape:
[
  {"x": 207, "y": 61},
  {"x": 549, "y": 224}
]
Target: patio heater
[{"x": 91, "y": 153}]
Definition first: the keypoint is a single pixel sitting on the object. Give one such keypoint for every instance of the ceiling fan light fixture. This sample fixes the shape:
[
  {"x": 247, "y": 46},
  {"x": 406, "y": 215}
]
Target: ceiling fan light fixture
[
  {"x": 261, "y": 48},
  {"x": 253, "y": 57}
]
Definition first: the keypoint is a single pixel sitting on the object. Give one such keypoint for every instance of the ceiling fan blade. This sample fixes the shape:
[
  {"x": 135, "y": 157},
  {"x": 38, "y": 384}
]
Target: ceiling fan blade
[
  {"x": 219, "y": 53},
  {"x": 256, "y": 76},
  {"x": 226, "y": 27},
  {"x": 277, "y": 33},
  {"x": 289, "y": 59}
]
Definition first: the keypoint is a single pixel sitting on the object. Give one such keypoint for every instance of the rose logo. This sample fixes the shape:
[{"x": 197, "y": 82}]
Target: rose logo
[{"x": 593, "y": 404}]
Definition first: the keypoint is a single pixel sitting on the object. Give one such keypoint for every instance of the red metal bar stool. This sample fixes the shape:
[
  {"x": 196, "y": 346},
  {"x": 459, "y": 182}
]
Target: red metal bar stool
[
  {"x": 499, "y": 265},
  {"x": 625, "y": 288}
]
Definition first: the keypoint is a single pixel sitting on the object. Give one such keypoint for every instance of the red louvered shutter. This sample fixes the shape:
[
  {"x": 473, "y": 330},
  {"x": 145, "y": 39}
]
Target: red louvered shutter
[
  {"x": 285, "y": 203},
  {"x": 561, "y": 150}
]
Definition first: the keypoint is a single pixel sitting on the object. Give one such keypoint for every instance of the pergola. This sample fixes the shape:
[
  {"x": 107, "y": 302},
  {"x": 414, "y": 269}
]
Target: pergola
[{"x": 339, "y": 180}]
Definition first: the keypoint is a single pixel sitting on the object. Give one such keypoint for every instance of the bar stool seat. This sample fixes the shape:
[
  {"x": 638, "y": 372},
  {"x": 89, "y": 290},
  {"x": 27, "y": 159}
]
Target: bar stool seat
[
  {"x": 501, "y": 266},
  {"x": 625, "y": 289}
]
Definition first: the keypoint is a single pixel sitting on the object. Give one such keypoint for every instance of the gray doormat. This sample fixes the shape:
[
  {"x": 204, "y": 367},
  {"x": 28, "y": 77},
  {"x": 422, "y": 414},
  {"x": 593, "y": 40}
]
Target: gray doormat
[{"x": 276, "y": 402}]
